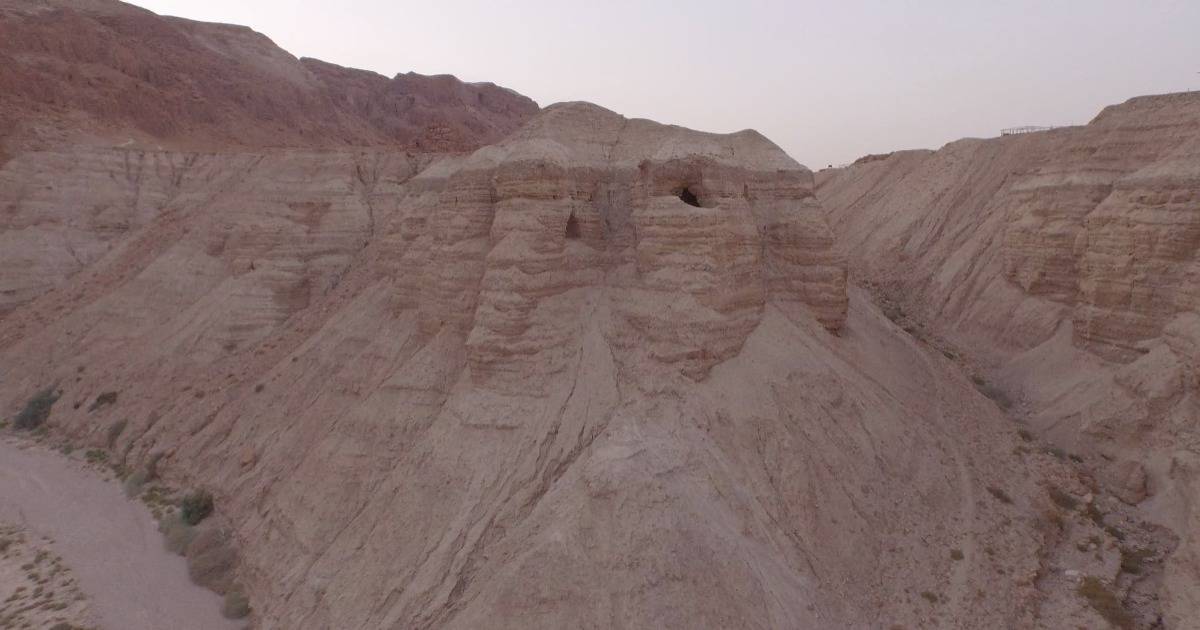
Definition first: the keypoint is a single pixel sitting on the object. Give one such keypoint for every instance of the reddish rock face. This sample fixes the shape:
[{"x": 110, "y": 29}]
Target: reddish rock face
[{"x": 112, "y": 70}]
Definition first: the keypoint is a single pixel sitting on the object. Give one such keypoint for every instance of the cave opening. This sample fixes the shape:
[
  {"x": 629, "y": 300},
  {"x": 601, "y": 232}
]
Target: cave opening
[
  {"x": 687, "y": 196},
  {"x": 572, "y": 227}
]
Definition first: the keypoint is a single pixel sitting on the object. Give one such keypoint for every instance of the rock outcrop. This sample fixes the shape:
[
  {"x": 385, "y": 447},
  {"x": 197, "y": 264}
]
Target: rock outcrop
[{"x": 1065, "y": 263}]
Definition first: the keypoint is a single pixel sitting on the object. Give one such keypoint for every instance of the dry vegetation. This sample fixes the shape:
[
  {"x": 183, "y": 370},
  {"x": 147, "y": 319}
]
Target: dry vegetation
[{"x": 36, "y": 587}]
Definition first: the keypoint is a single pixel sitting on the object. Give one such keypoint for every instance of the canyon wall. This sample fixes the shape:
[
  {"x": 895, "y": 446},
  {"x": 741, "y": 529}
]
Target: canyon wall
[
  {"x": 1064, "y": 264},
  {"x": 604, "y": 372},
  {"x": 448, "y": 360}
]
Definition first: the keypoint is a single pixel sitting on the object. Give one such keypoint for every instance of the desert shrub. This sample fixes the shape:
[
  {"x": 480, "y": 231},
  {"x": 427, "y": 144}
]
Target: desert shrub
[
  {"x": 196, "y": 507},
  {"x": 152, "y": 466},
  {"x": 1054, "y": 520},
  {"x": 119, "y": 470},
  {"x": 134, "y": 482},
  {"x": 956, "y": 554},
  {"x": 36, "y": 410},
  {"x": 96, "y": 455},
  {"x": 105, "y": 399},
  {"x": 114, "y": 432},
  {"x": 930, "y": 597},
  {"x": 871, "y": 157},
  {"x": 236, "y": 605},
  {"x": 994, "y": 393},
  {"x": 893, "y": 312},
  {"x": 1025, "y": 435},
  {"x": 1133, "y": 560},
  {"x": 1105, "y": 602},
  {"x": 177, "y": 535},
  {"x": 1000, "y": 495},
  {"x": 1062, "y": 499},
  {"x": 212, "y": 559}
]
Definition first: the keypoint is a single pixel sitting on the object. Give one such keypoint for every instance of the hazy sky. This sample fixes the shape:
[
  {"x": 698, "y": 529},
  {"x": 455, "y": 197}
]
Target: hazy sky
[{"x": 828, "y": 81}]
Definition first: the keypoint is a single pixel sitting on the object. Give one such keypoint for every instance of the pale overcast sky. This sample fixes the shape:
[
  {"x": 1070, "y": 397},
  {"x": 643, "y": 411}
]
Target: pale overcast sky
[{"x": 828, "y": 81}]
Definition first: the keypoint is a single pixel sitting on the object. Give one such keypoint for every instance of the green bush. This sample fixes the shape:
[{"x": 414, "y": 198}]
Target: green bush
[
  {"x": 236, "y": 605},
  {"x": 36, "y": 410},
  {"x": 196, "y": 507},
  {"x": 212, "y": 559},
  {"x": 177, "y": 535},
  {"x": 134, "y": 482}
]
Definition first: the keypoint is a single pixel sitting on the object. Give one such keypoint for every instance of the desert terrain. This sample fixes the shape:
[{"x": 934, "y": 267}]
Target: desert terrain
[{"x": 428, "y": 355}]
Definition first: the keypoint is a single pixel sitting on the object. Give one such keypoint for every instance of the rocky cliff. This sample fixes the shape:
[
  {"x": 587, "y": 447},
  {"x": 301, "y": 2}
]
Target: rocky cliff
[
  {"x": 1065, "y": 264},
  {"x": 80, "y": 78},
  {"x": 603, "y": 372},
  {"x": 82, "y": 70},
  {"x": 448, "y": 361}
]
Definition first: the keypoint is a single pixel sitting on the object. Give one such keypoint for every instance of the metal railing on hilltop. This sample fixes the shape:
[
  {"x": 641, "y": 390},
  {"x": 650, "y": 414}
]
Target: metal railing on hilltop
[{"x": 1012, "y": 131}]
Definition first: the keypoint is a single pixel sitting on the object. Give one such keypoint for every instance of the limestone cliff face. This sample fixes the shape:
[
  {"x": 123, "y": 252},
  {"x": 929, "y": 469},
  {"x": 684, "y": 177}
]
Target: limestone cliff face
[
  {"x": 583, "y": 377},
  {"x": 1066, "y": 263},
  {"x": 547, "y": 213},
  {"x": 1098, "y": 220}
]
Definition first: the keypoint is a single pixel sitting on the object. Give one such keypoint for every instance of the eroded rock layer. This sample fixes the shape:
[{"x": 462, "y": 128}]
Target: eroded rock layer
[
  {"x": 1065, "y": 263},
  {"x": 603, "y": 373},
  {"x": 102, "y": 69}
]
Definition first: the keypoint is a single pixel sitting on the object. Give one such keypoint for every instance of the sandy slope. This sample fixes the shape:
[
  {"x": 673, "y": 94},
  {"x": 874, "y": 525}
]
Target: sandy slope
[{"x": 110, "y": 543}]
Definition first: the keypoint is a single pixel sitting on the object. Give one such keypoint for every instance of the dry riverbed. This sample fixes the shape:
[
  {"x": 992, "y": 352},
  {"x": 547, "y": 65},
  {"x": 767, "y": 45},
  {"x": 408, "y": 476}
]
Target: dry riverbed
[{"x": 96, "y": 556}]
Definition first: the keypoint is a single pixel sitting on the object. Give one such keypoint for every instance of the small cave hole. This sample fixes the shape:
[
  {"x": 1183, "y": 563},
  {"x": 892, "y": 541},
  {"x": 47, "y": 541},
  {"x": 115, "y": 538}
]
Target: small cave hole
[
  {"x": 572, "y": 227},
  {"x": 687, "y": 196}
]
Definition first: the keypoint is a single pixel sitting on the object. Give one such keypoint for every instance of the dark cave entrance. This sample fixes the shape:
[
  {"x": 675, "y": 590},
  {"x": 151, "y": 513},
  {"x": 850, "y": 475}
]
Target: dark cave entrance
[
  {"x": 687, "y": 196},
  {"x": 572, "y": 227}
]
